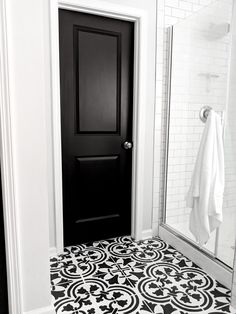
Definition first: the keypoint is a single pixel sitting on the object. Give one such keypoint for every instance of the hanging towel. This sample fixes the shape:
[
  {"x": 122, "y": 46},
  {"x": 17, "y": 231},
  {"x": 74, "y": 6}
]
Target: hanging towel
[{"x": 205, "y": 195}]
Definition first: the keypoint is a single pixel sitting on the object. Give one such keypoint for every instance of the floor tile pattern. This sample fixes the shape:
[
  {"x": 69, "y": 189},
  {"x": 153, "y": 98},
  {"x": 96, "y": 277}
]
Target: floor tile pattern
[{"x": 121, "y": 276}]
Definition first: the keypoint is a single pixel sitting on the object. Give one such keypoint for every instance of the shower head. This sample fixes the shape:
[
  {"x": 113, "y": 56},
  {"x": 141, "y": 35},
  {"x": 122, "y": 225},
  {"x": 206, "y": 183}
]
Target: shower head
[{"x": 217, "y": 31}]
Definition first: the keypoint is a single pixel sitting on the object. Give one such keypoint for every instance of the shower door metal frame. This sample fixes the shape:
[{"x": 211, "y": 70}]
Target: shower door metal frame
[
  {"x": 167, "y": 128},
  {"x": 164, "y": 227}
]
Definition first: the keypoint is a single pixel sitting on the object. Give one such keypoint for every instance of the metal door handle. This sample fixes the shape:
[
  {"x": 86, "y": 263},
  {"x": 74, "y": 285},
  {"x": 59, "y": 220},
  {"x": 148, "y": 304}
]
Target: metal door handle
[{"x": 127, "y": 145}]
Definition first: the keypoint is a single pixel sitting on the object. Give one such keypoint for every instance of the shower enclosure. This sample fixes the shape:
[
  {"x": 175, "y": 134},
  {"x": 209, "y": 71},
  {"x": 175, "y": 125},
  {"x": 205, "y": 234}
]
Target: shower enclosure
[{"x": 201, "y": 73}]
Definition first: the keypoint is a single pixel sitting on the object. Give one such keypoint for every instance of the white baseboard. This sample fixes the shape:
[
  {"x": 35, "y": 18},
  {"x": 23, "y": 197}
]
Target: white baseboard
[
  {"x": 146, "y": 234},
  {"x": 155, "y": 228},
  {"x": 52, "y": 251},
  {"x": 43, "y": 310}
]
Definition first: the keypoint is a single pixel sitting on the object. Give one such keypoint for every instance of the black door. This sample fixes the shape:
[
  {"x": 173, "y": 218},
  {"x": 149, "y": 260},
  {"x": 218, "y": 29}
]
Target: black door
[
  {"x": 96, "y": 69},
  {"x": 3, "y": 274}
]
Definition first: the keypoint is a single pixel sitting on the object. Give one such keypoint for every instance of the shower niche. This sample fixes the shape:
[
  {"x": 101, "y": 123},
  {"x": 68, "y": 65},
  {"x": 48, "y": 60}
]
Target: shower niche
[{"x": 200, "y": 60}]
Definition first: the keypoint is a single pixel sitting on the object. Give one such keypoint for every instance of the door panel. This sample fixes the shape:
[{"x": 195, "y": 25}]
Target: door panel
[
  {"x": 96, "y": 70},
  {"x": 100, "y": 176}
]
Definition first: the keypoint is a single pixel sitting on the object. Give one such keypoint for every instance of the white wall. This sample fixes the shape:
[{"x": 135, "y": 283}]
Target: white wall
[
  {"x": 25, "y": 21},
  {"x": 150, "y": 8}
]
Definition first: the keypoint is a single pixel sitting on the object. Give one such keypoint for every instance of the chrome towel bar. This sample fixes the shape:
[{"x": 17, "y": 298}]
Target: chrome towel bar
[{"x": 204, "y": 112}]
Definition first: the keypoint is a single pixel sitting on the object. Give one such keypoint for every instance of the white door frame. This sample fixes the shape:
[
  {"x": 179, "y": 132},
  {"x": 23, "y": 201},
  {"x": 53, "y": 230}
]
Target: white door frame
[
  {"x": 7, "y": 177},
  {"x": 100, "y": 7},
  {"x": 139, "y": 17}
]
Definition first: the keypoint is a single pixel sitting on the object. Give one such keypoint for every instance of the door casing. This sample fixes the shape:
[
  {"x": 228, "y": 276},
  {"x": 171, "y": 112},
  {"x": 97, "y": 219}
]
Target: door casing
[{"x": 139, "y": 192}]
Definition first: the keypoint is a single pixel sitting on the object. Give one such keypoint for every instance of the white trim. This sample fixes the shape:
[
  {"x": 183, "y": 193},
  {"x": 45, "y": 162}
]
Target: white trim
[
  {"x": 211, "y": 267},
  {"x": 139, "y": 17},
  {"x": 9, "y": 208},
  {"x": 103, "y": 8},
  {"x": 56, "y": 120},
  {"x": 147, "y": 234},
  {"x": 52, "y": 251},
  {"x": 43, "y": 310}
]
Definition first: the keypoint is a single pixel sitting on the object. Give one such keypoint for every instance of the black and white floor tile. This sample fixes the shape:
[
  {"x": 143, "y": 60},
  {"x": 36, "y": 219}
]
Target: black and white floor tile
[{"x": 121, "y": 276}]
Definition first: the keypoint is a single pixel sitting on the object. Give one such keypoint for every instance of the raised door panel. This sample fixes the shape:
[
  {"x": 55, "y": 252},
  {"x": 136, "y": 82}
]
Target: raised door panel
[
  {"x": 97, "y": 58},
  {"x": 97, "y": 180}
]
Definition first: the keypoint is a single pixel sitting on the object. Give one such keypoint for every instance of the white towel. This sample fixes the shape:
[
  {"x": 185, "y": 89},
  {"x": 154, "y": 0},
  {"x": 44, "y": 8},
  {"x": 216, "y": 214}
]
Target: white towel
[{"x": 205, "y": 195}]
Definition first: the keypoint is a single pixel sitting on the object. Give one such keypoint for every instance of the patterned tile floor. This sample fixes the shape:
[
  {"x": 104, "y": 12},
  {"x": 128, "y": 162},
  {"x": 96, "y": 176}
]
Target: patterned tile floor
[{"x": 120, "y": 276}]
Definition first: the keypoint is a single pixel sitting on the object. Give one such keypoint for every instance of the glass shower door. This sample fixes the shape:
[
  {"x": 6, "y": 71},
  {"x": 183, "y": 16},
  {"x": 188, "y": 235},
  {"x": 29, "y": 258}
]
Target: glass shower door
[{"x": 199, "y": 59}]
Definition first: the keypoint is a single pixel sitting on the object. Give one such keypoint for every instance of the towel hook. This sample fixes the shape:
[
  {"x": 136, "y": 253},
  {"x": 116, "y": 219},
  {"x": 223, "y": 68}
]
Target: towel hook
[{"x": 204, "y": 112}]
